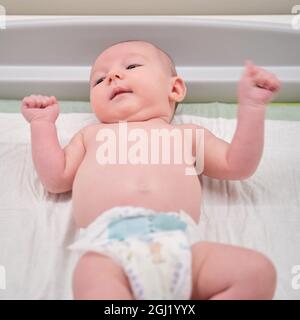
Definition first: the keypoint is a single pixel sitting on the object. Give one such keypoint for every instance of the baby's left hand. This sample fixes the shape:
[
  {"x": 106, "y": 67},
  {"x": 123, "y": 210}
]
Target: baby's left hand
[{"x": 257, "y": 86}]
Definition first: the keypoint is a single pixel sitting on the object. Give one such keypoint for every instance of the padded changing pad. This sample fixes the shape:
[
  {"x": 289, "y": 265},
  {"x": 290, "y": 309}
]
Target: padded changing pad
[{"x": 262, "y": 212}]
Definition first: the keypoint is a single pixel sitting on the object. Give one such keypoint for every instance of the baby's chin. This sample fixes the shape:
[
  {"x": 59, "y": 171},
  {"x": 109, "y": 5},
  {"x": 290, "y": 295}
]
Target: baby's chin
[
  {"x": 128, "y": 113},
  {"x": 119, "y": 113}
]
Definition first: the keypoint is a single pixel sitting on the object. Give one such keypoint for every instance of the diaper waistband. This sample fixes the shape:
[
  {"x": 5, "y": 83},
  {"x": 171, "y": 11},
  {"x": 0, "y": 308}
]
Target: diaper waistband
[
  {"x": 120, "y": 222},
  {"x": 143, "y": 225}
]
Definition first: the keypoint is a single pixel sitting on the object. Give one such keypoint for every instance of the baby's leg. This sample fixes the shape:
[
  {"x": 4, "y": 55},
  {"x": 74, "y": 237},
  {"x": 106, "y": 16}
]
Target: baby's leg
[
  {"x": 222, "y": 271},
  {"x": 99, "y": 277}
]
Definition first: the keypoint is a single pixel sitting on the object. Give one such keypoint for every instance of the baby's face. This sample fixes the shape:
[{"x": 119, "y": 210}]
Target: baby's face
[{"x": 137, "y": 68}]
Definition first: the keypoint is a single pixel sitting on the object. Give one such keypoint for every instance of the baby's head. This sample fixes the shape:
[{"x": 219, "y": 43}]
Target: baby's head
[{"x": 147, "y": 74}]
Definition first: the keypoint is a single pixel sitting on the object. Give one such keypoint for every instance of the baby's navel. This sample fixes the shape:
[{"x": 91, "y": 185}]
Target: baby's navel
[{"x": 143, "y": 187}]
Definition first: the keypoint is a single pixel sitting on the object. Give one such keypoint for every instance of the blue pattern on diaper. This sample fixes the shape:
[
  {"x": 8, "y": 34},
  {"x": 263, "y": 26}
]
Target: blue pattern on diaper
[{"x": 120, "y": 229}]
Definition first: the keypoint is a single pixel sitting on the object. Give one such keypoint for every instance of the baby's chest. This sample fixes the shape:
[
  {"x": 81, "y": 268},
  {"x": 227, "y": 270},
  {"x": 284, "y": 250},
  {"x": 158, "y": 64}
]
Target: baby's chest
[{"x": 156, "y": 146}]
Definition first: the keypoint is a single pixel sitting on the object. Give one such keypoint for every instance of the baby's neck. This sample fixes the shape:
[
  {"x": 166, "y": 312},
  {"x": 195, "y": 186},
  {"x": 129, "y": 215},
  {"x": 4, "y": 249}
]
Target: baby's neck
[
  {"x": 156, "y": 121},
  {"x": 148, "y": 122}
]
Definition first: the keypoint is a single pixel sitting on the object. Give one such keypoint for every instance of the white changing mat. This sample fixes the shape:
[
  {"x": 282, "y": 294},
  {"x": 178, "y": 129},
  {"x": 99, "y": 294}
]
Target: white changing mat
[{"x": 36, "y": 227}]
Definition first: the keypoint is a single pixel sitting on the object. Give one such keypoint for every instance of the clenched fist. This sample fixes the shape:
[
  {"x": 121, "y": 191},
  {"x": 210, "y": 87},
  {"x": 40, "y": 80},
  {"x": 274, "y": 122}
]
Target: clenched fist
[
  {"x": 42, "y": 108},
  {"x": 257, "y": 86}
]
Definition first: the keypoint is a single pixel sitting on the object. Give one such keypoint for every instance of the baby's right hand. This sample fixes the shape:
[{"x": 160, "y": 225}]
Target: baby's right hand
[{"x": 37, "y": 107}]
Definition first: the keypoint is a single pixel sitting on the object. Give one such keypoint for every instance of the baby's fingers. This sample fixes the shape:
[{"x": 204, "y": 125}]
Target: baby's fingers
[
  {"x": 33, "y": 101},
  {"x": 250, "y": 68},
  {"x": 42, "y": 101},
  {"x": 52, "y": 100},
  {"x": 28, "y": 102},
  {"x": 268, "y": 81},
  {"x": 48, "y": 101},
  {"x": 275, "y": 84}
]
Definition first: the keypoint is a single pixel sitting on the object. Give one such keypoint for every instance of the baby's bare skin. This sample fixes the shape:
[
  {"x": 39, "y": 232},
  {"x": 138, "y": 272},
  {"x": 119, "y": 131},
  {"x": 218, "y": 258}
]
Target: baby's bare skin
[
  {"x": 162, "y": 187},
  {"x": 218, "y": 271}
]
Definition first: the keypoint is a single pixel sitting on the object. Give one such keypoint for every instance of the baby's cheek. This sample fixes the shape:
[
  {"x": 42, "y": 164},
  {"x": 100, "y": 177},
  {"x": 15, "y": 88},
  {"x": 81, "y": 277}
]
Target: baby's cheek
[{"x": 95, "y": 99}]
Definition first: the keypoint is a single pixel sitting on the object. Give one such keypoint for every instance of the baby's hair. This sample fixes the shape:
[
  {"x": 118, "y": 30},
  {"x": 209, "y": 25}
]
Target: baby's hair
[{"x": 164, "y": 55}]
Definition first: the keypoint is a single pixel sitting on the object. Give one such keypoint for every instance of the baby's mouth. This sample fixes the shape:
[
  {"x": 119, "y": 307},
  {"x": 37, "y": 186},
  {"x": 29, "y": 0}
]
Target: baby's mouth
[{"x": 119, "y": 92}]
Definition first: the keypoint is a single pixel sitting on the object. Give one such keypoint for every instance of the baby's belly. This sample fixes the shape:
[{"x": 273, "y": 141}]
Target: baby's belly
[{"x": 159, "y": 187}]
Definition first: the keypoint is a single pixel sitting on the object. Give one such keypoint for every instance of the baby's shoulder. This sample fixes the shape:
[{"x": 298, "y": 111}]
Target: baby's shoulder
[{"x": 90, "y": 127}]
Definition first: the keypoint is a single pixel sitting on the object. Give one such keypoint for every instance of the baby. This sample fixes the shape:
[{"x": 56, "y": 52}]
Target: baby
[{"x": 138, "y": 219}]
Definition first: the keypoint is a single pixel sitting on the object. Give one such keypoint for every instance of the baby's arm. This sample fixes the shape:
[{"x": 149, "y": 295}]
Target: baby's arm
[
  {"x": 56, "y": 167},
  {"x": 239, "y": 159}
]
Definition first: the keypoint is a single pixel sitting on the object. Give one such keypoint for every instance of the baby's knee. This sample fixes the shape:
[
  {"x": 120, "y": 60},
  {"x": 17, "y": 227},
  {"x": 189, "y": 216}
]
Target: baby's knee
[
  {"x": 269, "y": 275},
  {"x": 262, "y": 276}
]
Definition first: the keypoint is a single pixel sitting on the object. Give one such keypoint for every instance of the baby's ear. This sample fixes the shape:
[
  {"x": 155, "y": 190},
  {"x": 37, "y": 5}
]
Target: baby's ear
[{"x": 178, "y": 89}]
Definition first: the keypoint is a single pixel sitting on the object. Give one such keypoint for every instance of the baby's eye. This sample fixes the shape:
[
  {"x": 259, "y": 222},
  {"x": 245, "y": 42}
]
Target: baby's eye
[
  {"x": 99, "y": 81},
  {"x": 132, "y": 65}
]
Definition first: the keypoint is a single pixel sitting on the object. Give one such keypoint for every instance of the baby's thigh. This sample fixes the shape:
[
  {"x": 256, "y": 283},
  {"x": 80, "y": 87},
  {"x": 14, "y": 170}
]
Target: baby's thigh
[
  {"x": 100, "y": 277},
  {"x": 216, "y": 267}
]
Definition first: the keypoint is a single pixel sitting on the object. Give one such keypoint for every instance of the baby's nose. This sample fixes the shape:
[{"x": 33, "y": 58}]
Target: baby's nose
[{"x": 114, "y": 75}]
